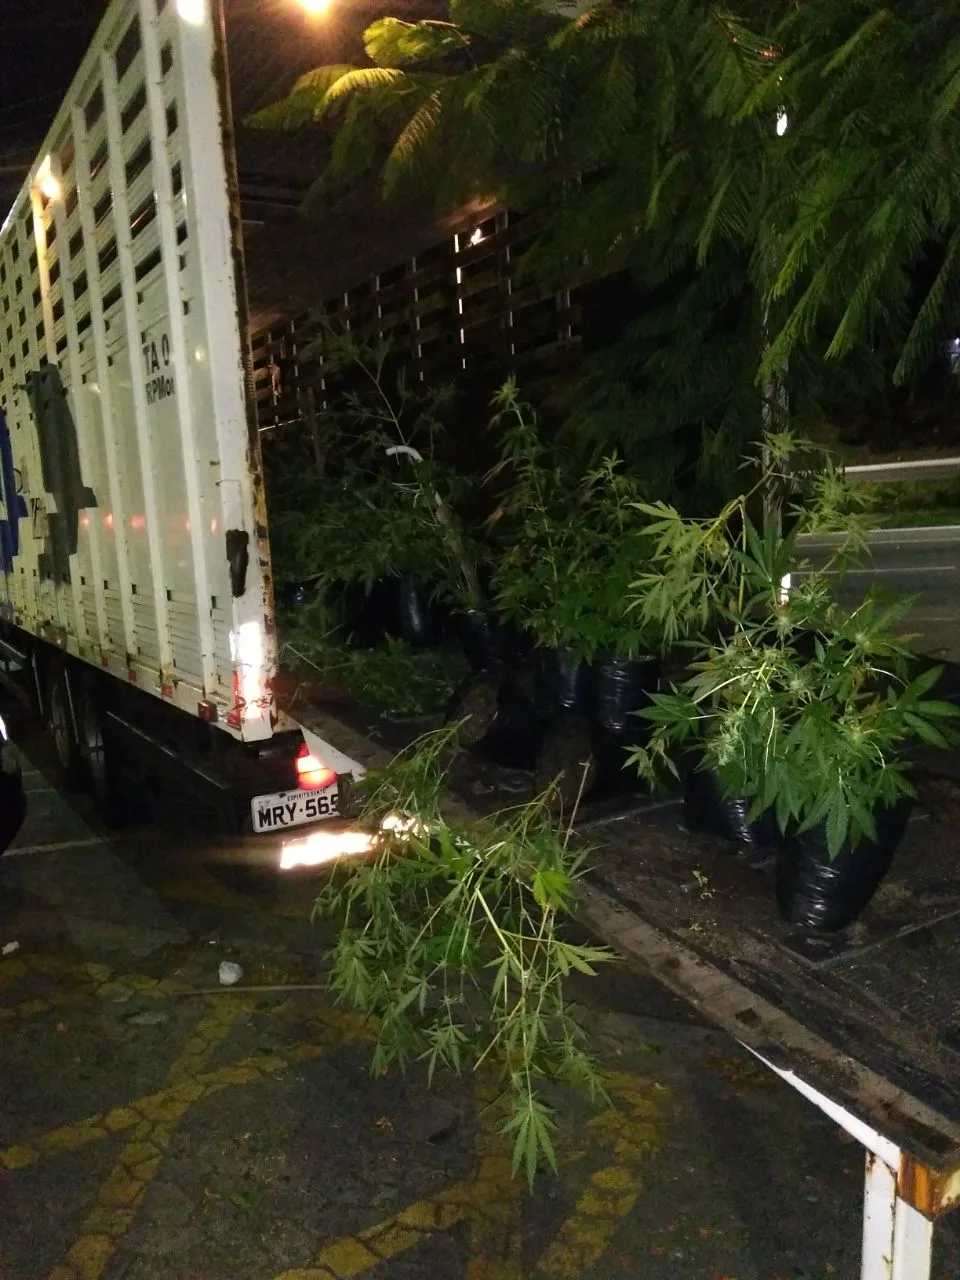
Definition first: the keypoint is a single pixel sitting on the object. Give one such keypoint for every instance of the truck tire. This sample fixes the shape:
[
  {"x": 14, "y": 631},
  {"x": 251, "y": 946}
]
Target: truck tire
[
  {"x": 99, "y": 764},
  {"x": 60, "y": 716}
]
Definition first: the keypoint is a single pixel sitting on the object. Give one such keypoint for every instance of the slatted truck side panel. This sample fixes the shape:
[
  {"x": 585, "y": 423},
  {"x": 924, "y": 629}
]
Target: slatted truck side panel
[
  {"x": 134, "y": 558},
  {"x": 132, "y": 521}
]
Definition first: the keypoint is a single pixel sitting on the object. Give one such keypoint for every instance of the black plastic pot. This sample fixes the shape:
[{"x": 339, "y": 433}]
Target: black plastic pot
[
  {"x": 486, "y": 644},
  {"x": 823, "y": 896},
  {"x": 623, "y": 689},
  {"x": 707, "y": 808},
  {"x": 563, "y": 685},
  {"x": 624, "y": 686},
  {"x": 419, "y": 620}
]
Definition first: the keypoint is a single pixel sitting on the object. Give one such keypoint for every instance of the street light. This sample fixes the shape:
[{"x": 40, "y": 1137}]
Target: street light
[{"x": 315, "y": 8}]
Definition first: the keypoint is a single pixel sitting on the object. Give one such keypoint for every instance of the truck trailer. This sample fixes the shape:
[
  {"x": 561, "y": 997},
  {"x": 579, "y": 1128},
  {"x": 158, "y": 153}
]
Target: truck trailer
[{"x": 135, "y": 579}]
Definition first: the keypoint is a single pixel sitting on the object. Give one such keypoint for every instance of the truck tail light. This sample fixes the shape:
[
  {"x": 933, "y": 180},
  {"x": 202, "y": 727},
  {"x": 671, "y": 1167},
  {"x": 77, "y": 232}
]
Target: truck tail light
[{"x": 313, "y": 774}]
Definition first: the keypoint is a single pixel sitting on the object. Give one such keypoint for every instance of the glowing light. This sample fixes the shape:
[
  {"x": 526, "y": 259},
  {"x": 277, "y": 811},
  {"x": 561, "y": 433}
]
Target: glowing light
[
  {"x": 108, "y": 519},
  {"x": 199, "y": 355},
  {"x": 783, "y": 124},
  {"x": 312, "y": 773},
  {"x": 315, "y": 8},
  {"x": 476, "y": 237},
  {"x": 402, "y": 824},
  {"x": 85, "y": 522},
  {"x": 214, "y": 526},
  {"x": 192, "y": 12},
  {"x": 325, "y": 846},
  {"x": 246, "y": 649},
  {"x": 46, "y": 182}
]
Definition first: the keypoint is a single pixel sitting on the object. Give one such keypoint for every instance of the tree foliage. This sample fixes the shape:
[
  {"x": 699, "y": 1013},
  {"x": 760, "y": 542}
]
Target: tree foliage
[{"x": 656, "y": 122}]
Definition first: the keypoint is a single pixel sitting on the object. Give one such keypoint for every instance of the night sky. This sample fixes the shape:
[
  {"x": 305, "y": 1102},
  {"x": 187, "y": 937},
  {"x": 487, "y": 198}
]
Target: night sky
[{"x": 43, "y": 42}]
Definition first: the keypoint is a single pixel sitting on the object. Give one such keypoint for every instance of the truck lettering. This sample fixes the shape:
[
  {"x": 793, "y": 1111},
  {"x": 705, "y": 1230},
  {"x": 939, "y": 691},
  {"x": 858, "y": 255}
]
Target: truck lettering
[
  {"x": 159, "y": 388},
  {"x": 156, "y": 368}
]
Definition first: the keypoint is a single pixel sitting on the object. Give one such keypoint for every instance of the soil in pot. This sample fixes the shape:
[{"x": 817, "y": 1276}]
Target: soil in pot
[
  {"x": 563, "y": 685},
  {"x": 825, "y": 896},
  {"x": 498, "y": 720},
  {"x": 567, "y": 763},
  {"x": 707, "y": 808}
]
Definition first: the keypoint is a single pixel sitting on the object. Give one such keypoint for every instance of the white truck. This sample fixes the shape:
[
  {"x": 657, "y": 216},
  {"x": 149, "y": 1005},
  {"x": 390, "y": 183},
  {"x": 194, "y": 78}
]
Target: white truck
[{"x": 135, "y": 580}]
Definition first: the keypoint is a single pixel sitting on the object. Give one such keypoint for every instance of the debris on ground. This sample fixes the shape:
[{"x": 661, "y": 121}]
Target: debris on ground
[{"x": 230, "y": 973}]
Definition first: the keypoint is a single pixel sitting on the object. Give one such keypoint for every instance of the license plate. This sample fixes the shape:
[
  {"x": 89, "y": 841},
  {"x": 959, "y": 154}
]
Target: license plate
[{"x": 288, "y": 809}]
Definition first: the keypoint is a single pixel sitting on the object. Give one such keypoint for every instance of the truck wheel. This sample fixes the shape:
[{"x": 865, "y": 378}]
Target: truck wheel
[
  {"x": 60, "y": 720},
  {"x": 102, "y": 777}
]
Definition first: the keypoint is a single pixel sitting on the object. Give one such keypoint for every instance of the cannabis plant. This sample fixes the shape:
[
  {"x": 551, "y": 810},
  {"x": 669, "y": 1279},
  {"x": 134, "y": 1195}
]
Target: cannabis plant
[
  {"x": 453, "y": 937},
  {"x": 391, "y": 677},
  {"x": 799, "y": 705},
  {"x": 570, "y": 544},
  {"x": 386, "y": 505}
]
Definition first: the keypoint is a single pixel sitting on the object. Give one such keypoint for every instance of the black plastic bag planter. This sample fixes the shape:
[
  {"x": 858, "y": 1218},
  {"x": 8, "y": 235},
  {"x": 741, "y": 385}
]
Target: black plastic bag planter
[
  {"x": 623, "y": 689},
  {"x": 563, "y": 684},
  {"x": 419, "y": 619},
  {"x": 707, "y": 808},
  {"x": 823, "y": 896},
  {"x": 624, "y": 686},
  {"x": 487, "y": 644}
]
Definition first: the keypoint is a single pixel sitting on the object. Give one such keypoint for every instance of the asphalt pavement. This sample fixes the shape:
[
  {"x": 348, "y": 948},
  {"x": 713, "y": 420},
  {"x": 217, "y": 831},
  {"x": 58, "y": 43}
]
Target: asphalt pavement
[{"x": 158, "y": 1127}]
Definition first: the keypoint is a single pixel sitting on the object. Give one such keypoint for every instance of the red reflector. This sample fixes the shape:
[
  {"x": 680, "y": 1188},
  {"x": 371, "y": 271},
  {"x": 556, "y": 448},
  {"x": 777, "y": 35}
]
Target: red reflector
[
  {"x": 313, "y": 774},
  {"x": 207, "y": 711}
]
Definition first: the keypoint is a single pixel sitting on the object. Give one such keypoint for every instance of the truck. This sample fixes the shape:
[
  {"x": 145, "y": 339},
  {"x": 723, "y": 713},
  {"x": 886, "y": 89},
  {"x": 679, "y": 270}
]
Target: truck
[{"x": 136, "y": 595}]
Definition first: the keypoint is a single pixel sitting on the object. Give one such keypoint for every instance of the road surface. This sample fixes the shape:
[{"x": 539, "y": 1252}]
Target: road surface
[{"x": 152, "y": 1133}]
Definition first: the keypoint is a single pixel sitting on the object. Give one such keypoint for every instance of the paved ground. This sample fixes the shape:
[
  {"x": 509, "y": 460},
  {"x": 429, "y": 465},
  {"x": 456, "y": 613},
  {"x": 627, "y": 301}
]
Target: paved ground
[{"x": 149, "y": 1132}]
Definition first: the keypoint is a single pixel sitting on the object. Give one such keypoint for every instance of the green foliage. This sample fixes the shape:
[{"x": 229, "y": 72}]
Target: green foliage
[
  {"x": 799, "y": 705},
  {"x": 392, "y": 677},
  {"x": 385, "y": 505},
  {"x": 705, "y": 569},
  {"x": 648, "y": 131},
  {"x": 452, "y": 937},
  {"x": 570, "y": 545}
]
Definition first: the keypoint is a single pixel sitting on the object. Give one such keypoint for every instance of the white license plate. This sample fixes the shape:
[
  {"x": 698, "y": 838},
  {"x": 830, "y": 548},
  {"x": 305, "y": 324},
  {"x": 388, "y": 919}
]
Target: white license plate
[{"x": 288, "y": 809}]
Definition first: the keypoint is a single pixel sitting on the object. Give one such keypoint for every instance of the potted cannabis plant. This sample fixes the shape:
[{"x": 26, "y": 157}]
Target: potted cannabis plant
[
  {"x": 365, "y": 505},
  {"x": 803, "y": 710},
  {"x": 569, "y": 545}
]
